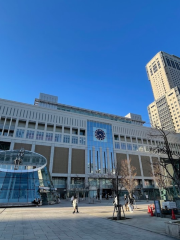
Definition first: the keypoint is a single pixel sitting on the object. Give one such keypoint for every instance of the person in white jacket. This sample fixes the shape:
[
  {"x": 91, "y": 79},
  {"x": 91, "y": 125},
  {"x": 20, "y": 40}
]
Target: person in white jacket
[
  {"x": 75, "y": 205},
  {"x": 115, "y": 202}
]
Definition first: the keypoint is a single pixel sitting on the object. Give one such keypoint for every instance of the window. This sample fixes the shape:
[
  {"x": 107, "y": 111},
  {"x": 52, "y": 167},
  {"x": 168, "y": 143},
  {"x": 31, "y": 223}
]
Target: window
[
  {"x": 21, "y": 123},
  {"x": 129, "y": 146},
  {"x": 75, "y": 131},
  {"x": 57, "y": 137},
  {"x": 30, "y": 134},
  {"x": 74, "y": 140},
  {"x": 39, "y": 135},
  {"x": 177, "y": 66},
  {"x": 66, "y": 139},
  {"x": 122, "y": 138},
  {"x": 82, "y": 140},
  {"x": 155, "y": 68},
  {"x": 151, "y": 71},
  {"x": 146, "y": 148},
  {"x": 123, "y": 146},
  {"x": 141, "y": 149},
  {"x": 50, "y": 128},
  {"x": 49, "y": 136},
  {"x": 58, "y": 129},
  {"x": 20, "y": 133},
  {"x": 31, "y": 125},
  {"x": 158, "y": 63},
  {"x": 128, "y": 139},
  {"x": 82, "y": 132},
  {"x": 117, "y": 145},
  {"x": 168, "y": 62},
  {"x": 41, "y": 126},
  {"x": 67, "y": 130},
  {"x": 116, "y": 137},
  {"x": 172, "y": 63},
  {"x": 135, "y": 147}
]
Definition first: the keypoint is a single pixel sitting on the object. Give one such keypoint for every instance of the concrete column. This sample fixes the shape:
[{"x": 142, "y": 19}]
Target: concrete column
[
  {"x": 108, "y": 160},
  {"x": 87, "y": 170},
  {"x": 142, "y": 175},
  {"x": 33, "y": 147},
  {"x": 12, "y": 145},
  {"x": 69, "y": 168},
  {"x": 51, "y": 159},
  {"x": 101, "y": 159},
  {"x": 94, "y": 160},
  {"x": 129, "y": 167},
  {"x": 69, "y": 160}
]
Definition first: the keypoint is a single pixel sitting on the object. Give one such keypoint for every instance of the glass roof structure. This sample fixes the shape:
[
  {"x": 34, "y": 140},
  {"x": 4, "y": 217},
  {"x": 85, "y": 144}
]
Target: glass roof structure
[{"x": 24, "y": 177}]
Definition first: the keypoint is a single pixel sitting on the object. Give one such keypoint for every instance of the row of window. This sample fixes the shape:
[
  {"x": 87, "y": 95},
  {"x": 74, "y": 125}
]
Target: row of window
[
  {"x": 173, "y": 64},
  {"x": 131, "y": 147},
  {"x": 30, "y": 134},
  {"x": 135, "y": 147}
]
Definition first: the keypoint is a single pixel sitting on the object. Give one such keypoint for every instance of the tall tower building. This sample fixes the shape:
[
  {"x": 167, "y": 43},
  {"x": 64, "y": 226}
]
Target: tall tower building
[{"x": 163, "y": 71}]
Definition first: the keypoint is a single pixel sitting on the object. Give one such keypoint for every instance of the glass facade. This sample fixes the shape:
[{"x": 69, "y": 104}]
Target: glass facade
[
  {"x": 24, "y": 182},
  {"x": 100, "y": 147}
]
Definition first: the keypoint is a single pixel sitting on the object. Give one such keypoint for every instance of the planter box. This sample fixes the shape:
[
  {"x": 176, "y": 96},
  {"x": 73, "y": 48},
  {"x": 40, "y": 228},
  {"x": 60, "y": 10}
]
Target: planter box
[{"x": 173, "y": 228}]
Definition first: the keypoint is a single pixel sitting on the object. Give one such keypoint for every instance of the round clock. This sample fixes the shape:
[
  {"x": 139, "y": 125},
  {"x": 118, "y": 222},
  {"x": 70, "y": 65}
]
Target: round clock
[{"x": 100, "y": 134}]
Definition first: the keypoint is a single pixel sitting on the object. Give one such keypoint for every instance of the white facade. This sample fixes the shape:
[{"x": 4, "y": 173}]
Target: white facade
[{"x": 67, "y": 128}]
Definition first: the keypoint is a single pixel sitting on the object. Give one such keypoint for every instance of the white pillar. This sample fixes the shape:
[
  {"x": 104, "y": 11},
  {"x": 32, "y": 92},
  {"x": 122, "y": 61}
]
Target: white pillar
[
  {"x": 108, "y": 160},
  {"x": 94, "y": 161},
  {"x": 12, "y": 146},
  {"x": 33, "y": 147},
  {"x": 86, "y": 162},
  {"x": 101, "y": 159},
  {"x": 51, "y": 159},
  {"x": 69, "y": 168},
  {"x": 142, "y": 175}
]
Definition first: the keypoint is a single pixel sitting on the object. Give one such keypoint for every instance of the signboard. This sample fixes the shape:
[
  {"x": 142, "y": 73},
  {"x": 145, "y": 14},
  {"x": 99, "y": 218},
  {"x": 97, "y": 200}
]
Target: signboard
[
  {"x": 168, "y": 205},
  {"x": 157, "y": 207}
]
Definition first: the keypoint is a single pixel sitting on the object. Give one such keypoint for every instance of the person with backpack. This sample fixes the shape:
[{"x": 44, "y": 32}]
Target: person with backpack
[{"x": 75, "y": 205}]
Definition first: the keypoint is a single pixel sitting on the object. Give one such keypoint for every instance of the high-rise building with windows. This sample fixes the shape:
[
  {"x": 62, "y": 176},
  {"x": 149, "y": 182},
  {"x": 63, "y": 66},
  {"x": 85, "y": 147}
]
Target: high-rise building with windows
[{"x": 163, "y": 71}]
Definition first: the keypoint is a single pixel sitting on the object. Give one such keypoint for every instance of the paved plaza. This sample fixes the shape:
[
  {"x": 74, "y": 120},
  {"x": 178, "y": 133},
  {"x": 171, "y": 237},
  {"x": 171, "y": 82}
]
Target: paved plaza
[{"x": 58, "y": 222}]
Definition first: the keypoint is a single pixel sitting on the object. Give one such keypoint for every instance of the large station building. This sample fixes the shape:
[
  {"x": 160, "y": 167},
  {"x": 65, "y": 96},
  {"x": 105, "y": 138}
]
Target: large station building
[{"x": 81, "y": 146}]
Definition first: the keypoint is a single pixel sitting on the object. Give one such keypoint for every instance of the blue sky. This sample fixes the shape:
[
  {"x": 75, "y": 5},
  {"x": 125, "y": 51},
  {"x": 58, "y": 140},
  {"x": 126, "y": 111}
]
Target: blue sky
[{"x": 90, "y": 53}]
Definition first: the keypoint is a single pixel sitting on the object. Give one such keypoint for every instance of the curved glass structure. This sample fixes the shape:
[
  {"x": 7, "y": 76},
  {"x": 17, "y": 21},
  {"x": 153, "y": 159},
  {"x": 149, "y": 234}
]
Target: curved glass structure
[{"x": 24, "y": 178}]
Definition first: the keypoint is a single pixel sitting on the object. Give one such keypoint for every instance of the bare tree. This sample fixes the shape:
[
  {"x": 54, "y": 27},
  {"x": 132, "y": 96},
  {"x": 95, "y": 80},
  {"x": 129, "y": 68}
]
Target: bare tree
[
  {"x": 169, "y": 166},
  {"x": 124, "y": 178},
  {"x": 128, "y": 174},
  {"x": 160, "y": 179}
]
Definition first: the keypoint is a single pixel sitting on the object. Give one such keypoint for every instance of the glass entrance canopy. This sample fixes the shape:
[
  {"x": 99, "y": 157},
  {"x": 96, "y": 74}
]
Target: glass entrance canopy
[{"x": 25, "y": 182}]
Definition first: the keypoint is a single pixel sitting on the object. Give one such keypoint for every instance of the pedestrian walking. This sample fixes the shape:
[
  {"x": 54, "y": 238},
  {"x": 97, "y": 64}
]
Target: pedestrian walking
[
  {"x": 72, "y": 198},
  {"x": 75, "y": 205},
  {"x": 115, "y": 202},
  {"x": 126, "y": 202}
]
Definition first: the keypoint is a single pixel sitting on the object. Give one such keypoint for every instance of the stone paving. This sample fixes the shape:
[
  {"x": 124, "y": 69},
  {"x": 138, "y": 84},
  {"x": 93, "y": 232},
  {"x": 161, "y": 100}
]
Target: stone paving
[{"x": 58, "y": 222}]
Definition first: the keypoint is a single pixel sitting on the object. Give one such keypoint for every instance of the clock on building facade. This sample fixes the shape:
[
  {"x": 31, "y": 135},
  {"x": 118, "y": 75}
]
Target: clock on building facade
[{"x": 100, "y": 134}]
